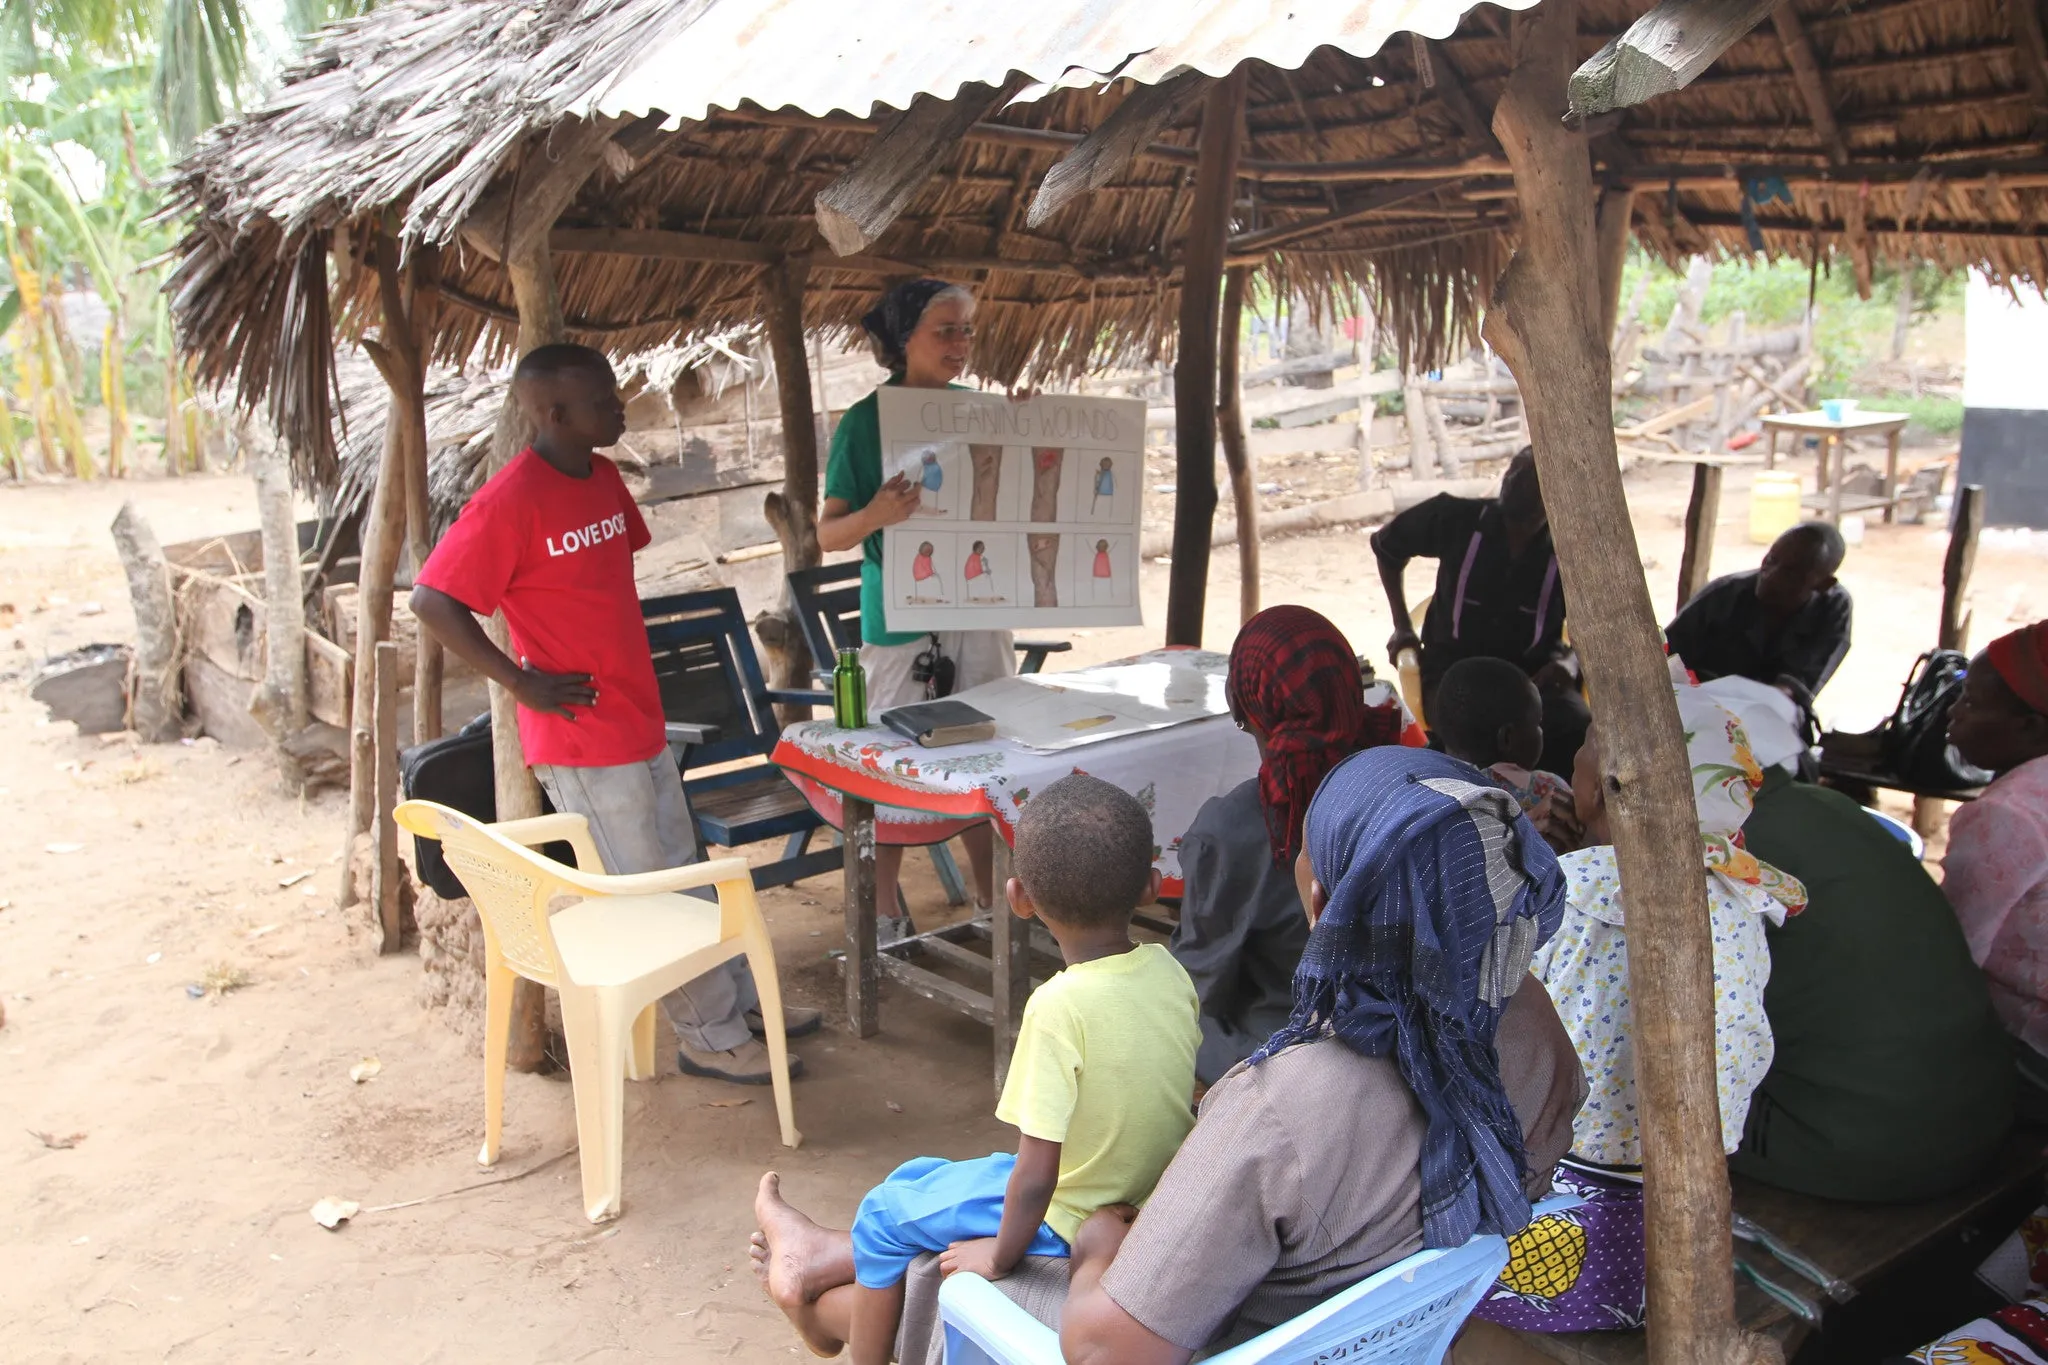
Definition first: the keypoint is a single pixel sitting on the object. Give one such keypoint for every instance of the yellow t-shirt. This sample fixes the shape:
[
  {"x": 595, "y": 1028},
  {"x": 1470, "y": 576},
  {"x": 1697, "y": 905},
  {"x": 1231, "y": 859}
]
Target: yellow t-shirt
[{"x": 1105, "y": 1066}]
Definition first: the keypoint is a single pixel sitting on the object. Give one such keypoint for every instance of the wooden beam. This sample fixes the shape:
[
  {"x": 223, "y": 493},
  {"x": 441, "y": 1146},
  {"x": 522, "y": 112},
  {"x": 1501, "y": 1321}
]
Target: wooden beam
[
  {"x": 662, "y": 245},
  {"x": 2009, "y": 172},
  {"x": 1617, "y": 215},
  {"x": 793, "y": 509},
  {"x": 1661, "y": 52},
  {"x": 1457, "y": 98},
  {"x": 2016, "y": 232},
  {"x": 1362, "y": 204},
  {"x": 857, "y": 208},
  {"x": 1813, "y": 86},
  {"x": 384, "y": 873},
  {"x": 1194, "y": 367},
  {"x": 2024, "y": 18},
  {"x": 420, "y": 299},
  {"x": 1107, "y": 152},
  {"x": 1695, "y": 565},
  {"x": 587, "y": 326},
  {"x": 1544, "y": 323},
  {"x": 1957, "y": 566},
  {"x": 1244, "y": 484}
]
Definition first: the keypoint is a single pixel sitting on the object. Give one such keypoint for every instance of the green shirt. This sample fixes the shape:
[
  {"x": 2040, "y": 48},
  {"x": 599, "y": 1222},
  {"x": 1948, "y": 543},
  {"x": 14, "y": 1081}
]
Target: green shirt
[
  {"x": 853, "y": 474},
  {"x": 1892, "y": 1080}
]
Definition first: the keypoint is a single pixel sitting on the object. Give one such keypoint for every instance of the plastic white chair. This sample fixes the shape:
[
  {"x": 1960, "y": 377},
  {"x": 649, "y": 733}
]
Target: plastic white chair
[
  {"x": 616, "y": 947},
  {"x": 1406, "y": 1314}
]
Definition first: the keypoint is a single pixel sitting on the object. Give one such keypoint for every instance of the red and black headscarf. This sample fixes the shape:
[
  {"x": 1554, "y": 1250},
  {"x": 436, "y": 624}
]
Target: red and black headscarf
[
  {"x": 2021, "y": 658},
  {"x": 1294, "y": 676}
]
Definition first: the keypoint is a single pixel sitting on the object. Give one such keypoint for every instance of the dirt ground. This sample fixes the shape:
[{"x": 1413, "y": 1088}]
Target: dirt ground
[{"x": 166, "y": 1215}]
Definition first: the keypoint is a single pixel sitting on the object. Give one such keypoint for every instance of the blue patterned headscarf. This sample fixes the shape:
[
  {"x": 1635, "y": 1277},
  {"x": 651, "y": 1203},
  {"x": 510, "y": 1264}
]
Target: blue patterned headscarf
[{"x": 1439, "y": 891}]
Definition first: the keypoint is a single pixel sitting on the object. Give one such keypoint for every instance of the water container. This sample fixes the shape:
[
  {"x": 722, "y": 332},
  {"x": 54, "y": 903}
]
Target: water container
[
  {"x": 1773, "y": 505},
  {"x": 1409, "y": 666}
]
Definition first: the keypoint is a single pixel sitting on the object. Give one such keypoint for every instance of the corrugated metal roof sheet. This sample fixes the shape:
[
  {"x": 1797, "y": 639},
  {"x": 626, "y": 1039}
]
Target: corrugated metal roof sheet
[{"x": 824, "y": 55}]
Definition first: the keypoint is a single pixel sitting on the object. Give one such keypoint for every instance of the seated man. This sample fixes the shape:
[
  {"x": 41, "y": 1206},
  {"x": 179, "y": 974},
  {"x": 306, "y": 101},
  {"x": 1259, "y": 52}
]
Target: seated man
[
  {"x": 1785, "y": 623},
  {"x": 1498, "y": 596},
  {"x": 1891, "y": 1079},
  {"x": 1362, "y": 1132}
]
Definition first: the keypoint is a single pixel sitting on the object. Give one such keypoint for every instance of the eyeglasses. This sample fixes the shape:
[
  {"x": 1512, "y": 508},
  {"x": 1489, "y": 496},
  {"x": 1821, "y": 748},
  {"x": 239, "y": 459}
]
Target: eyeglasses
[{"x": 954, "y": 331}]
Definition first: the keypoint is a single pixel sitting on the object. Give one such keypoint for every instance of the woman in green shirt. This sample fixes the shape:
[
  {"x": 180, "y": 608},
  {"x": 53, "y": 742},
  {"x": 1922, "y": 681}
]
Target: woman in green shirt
[{"x": 922, "y": 332}]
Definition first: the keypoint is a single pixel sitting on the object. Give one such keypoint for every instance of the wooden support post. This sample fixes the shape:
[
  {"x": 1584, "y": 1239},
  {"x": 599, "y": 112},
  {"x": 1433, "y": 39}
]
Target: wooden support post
[
  {"x": 1660, "y": 52},
  {"x": 863, "y": 976},
  {"x": 1701, "y": 515},
  {"x": 1545, "y": 323},
  {"x": 1617, "y": 210},
  {"x": 384, "y": 865},
  {"x": 155, "y": 695},
  {"x": 1009, "y": 965},
  {"x": 1244, "y": 485},
  {"x": 1109, "y": 150},
  {"x": 514, "y": 230},
  {"x": 1957, "y": 565},
  {"x": 793, "y": 509},
  {"x": 421, "y": 301},
  {"x": 1194, "y": 366},
  {"x": 857, "y": 208},
  {"x": 279, "y": 701}
]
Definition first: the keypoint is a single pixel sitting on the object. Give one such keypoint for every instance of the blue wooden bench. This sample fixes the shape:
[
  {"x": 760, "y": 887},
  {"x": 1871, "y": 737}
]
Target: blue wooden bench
[
  {"x": 828, "y": 609},
  {"x": 721, "y": 715}
]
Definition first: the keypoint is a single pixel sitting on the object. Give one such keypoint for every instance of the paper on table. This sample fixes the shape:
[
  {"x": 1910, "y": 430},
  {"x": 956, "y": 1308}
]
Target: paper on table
[{"x": 1055, "y": 711}]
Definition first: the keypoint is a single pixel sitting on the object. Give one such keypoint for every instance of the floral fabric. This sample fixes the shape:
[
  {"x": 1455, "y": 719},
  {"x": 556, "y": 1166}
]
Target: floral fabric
[{"x": 1996, "y": 875}]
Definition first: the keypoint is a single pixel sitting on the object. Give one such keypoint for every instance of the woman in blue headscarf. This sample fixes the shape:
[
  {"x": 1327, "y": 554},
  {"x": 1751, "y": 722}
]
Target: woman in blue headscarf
[{"x": 1421, "y": 1092}]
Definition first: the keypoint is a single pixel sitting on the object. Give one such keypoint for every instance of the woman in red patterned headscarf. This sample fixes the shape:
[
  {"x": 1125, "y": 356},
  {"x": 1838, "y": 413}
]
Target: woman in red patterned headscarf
[
  {"x": 1295, "y": 688},
  {"x": 1996, "y": 868}
]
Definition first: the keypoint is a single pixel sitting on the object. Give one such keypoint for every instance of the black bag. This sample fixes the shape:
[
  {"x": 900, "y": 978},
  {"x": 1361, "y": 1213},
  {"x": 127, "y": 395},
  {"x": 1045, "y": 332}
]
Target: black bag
[
  {"x": 1916, "y": 747},
  {"x": 455, "y": 770}
]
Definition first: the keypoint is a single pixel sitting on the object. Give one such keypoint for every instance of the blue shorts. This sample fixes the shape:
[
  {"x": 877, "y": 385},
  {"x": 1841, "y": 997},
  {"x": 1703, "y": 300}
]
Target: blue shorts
[{"x": 927, "y": 1204}]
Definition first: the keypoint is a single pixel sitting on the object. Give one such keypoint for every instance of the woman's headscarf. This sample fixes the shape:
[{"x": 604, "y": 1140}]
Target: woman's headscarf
[
  {"x": 1725, "y": 778},
  {"x": 1293, "y": 675},
  {"x": 891, "y": 321},
  {"x": 2021, "y": 658},
  {"x": 1439, "y": 892}
]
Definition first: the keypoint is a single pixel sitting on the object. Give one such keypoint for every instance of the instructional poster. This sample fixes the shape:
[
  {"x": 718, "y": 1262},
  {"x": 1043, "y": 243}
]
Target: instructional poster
[{"x": 1028, "y": 512}]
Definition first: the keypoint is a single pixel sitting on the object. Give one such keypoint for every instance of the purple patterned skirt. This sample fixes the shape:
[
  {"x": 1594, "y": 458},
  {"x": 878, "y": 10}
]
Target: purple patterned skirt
[{"x": 1576, "y": 1271}]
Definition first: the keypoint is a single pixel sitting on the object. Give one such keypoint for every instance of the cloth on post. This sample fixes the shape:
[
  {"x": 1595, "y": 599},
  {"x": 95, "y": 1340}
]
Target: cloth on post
[
  {"x": 1294, "y": 676},
  {"x": 1580, "y": 1270},
  {"x": 1439, "y": 890},
  {"x": 1585, "y": 966},
  {"x": 1105, "y": 1066},
  {"x": 929, "y": 1203},
  {"x": 640, "y": 821}
]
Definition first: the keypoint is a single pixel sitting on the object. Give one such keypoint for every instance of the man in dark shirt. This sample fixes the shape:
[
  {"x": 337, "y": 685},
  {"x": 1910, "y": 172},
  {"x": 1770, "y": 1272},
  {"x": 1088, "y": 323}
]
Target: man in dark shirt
[
  {"x": 1498, "y": 596},
  {"x": 1785, "y": 624}
]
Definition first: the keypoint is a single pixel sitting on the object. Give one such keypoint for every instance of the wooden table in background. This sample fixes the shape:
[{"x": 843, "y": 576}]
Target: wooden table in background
[{"x": 1833, "y": 435}]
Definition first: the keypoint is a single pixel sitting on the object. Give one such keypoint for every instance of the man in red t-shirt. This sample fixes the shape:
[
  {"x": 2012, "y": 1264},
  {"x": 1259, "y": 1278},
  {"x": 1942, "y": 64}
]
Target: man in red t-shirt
[{"x": 550, "y": 539}]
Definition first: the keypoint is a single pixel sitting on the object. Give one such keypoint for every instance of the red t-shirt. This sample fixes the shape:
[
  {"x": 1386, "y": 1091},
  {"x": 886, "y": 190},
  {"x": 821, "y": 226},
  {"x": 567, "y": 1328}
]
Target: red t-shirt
[{"x": 556, "y": 553}]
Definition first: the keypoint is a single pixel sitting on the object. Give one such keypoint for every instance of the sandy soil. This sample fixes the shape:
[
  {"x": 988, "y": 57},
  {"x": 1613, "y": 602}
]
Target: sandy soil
[{"x": 177, "y": 1227}]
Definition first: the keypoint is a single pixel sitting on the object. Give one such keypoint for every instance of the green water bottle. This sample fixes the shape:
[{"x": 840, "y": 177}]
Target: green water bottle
[{"x": 849, "y": 691}]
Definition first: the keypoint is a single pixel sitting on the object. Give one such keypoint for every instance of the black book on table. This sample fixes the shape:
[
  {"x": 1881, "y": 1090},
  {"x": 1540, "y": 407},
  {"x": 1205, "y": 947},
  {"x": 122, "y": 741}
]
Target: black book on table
[{"x": 935, "y": 724}]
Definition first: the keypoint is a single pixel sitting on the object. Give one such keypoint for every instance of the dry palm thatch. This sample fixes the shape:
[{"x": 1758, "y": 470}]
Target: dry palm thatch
[{"x": 1375, "y": 176}]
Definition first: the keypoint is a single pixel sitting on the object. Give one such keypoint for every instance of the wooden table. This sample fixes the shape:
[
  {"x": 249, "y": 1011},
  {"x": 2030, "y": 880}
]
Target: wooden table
[
  {"x": 1858, "y": 1242},
  {"x": 1833, "y": 436},
  {"x": 875, "y": 785}
]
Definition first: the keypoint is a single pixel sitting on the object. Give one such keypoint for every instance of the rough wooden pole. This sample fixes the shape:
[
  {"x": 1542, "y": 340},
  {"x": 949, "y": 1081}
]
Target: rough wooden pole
[
  {"x": 383, "y": 537},
  {"x": 793, "y": 509},
  {"x": 424, "y": 285},
  {"x": 1545, "y": 323},
  {"x": 1695, "y": 565},
  {"x": 1194, "y": 366},
  {"x": 155, "y": 699},
  {"x": 279, "y": 702},
  {"x": 1244, "y": 490},
  {"x": 1617, "y": 209},
  {"x": 384, "y": 872}
]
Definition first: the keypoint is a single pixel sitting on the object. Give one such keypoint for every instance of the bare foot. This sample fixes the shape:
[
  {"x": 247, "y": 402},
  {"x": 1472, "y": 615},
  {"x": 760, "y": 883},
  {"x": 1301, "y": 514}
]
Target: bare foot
[{"x": 785, "y": 1254}]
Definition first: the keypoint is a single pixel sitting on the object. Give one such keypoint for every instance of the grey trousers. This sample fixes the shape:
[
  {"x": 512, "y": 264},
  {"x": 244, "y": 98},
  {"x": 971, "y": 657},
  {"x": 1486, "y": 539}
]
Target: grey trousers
[{"x": 641, "y": 822}]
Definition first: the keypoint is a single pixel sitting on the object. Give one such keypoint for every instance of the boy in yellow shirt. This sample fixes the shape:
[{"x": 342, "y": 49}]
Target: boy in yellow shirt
[{"x": 1099, "y": 1091}]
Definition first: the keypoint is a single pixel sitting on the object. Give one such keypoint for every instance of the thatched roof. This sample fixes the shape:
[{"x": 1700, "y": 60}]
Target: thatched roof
[{"x": 1371, "y": 172}]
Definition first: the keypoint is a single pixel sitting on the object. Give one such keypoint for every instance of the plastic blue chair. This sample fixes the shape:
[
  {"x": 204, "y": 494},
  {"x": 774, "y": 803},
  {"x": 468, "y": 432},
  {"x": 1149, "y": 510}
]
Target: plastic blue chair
[
  {"x": 1406, "y": 1314},
  {"x": 1899, "y": 830}
]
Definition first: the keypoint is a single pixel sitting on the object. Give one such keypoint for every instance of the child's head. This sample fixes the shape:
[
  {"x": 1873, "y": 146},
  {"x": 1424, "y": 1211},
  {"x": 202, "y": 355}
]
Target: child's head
[
  {"x": 1101, "y": 545},
  {"x": 977, "y": 547},
  {"x": 924, "y": 548},
  {"x": 571, "y": 396},
  {"x": 1084, "y": 854},
  {"x": 1106, "y": 463},
  {"x": 1486, "y": 712}
]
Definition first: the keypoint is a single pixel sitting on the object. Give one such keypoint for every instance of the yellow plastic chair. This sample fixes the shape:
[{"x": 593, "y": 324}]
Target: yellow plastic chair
[{"x": 617, "y": 947}]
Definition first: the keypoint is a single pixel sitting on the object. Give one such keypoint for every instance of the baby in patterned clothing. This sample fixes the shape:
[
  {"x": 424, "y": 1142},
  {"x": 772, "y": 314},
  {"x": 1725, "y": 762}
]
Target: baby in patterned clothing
[{"x": 1490, "y": 714}]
